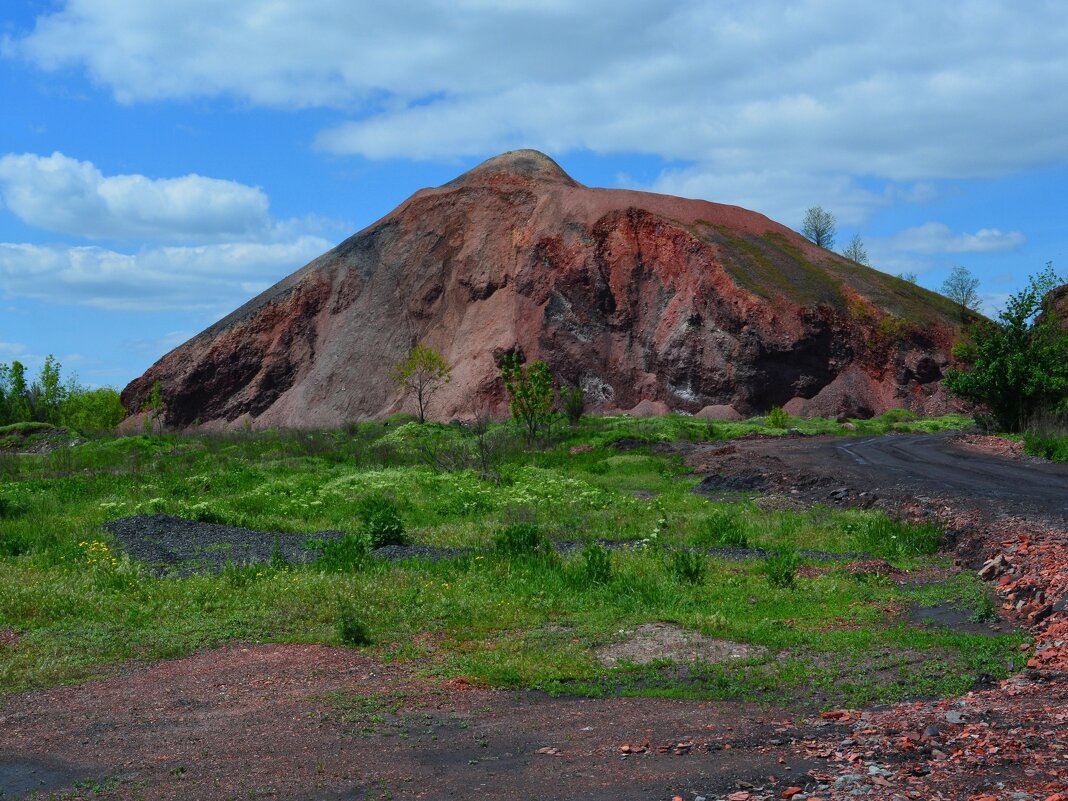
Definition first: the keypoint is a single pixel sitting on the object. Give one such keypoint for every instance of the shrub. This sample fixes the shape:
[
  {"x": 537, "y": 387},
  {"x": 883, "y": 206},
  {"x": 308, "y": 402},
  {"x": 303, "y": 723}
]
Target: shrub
[
  {"x": 521, "y": 540},
  {"x": 382, "y": 523},
  {"x": 530, "y": 393},
  {"x": 350, "y": 553},
  {"x": 781, "y": 568},
  {"x": 778, "y": 418},
  {"x": 722, "y": 529},
  {"x": 351, "y": 629},
  {"x": 596, "y": 564},
  {"x": 688, "y": 567},
  {"x": 574, "y": 403}
]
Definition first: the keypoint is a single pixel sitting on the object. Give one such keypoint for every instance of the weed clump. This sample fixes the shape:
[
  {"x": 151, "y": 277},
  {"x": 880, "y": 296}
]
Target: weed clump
[
  {"x": 688, "y": 567},
  {"x": 523, "y": 540},
  {"x": 894, "y": 539},
  {"x": 345, "y": 555},
  {"x": 351, "y": 629},
  {"x": 781, "y": 569},
  {"x": 381, "y": 519},
  {"x": 722, "y": 529},
  {"x": 596, "y": 564}
]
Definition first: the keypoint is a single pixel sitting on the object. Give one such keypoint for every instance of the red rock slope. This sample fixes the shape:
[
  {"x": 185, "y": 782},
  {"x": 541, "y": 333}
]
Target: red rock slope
[{"x": 640, "y": 298}]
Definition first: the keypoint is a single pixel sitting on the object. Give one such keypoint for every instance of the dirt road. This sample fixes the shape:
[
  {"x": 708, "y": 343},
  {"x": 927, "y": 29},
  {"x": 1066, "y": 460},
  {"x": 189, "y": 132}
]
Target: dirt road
[{"x": 896, "y": 468}]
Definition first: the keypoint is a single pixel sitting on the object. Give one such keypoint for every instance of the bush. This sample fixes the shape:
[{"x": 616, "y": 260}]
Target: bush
[
  {"x": 521, "y": 540},
  {"x": 781, "y": 568},
  {"x": 777, "y": 418},
  {"x": 351, "y": 629},
  {"x": 382, "y": 523},
  {"x": 574, "y": 402},
  {"x": 688, "y": 567},
  {"x": 596, "y": 564},
  {"x": 722, "y": 529}
]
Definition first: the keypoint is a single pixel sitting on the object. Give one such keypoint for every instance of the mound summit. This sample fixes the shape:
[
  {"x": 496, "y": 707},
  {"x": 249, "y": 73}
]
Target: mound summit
[{"x": 651, "y": 303}]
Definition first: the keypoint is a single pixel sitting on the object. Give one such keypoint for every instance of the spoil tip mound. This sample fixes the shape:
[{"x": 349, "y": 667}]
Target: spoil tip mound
[{"x": 527, "y": 164}]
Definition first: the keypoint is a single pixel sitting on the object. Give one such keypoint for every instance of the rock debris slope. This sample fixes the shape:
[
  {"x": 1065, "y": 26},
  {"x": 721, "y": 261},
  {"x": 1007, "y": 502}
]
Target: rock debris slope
[{"x": 649, "y": 302}]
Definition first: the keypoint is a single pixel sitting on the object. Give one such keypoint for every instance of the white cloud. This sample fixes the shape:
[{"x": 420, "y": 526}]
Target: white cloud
[
  {"x": 12, "y": 348},
  {"x": 62, "y": 194},
  {"x": 209, "y": 277},
  {"x": 908, "y": 91},
  {"x": 934, "y": 237}
]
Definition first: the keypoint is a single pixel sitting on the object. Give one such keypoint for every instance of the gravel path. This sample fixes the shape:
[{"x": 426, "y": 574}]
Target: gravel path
[{"x": 175, "y": 545}]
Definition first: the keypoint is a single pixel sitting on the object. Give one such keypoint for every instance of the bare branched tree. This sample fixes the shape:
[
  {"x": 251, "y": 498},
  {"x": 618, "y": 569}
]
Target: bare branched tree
[
  {"x": 855, "y": 251},
  {"x": 820, "y": 227},
  {"x": 962, "y": 288}
]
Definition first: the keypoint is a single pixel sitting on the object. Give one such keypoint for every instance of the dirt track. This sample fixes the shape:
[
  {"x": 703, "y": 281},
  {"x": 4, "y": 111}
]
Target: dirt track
[{"x": 895, "y": 469}]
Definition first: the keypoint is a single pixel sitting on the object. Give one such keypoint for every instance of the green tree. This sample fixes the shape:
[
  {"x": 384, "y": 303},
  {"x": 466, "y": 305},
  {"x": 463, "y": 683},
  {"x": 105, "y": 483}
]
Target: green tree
[
  {"x": 18, "y": 394},
  {"x": 820, "y": 227},
  {"x": 421, "y": 375},
  {"x": 530, "y": 393},
  {"x": 962, "y": 288},
  {"x": 154, "y": 407},
  {"x": 88, "y": 410},
  {"x": 1016, "y": 365},
  {"x": 48, "y": 392}
]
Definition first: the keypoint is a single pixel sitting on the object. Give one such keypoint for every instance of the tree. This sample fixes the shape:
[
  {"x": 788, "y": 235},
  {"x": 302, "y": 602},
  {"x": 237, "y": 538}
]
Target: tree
[
  {"x": 961, "y": 288},
  {"x": 911, "y": 277},
  {"x": 421, "y": 375},
  {"x": 855, "y": 251},
  {"x": 48, "y": 392},
  {"x": 154, "y": 407},
  {"x": 820, "y": 227},
  {"x": 88, "y": 410},
  {"x": 1016, "y": 365},
  {"x": 530, "y": 393},
  {"x": 18, "y": 394}
]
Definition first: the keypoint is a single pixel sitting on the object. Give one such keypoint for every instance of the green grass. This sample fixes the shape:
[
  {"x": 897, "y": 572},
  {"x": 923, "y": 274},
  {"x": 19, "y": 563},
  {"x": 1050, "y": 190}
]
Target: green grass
[
  {"x": 512, "y": 613},
  {"x": 1047, "y": 445}
]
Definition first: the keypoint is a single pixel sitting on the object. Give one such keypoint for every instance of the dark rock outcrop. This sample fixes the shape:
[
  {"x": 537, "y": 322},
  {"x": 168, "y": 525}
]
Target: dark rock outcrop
[{"x": 639, "y": 298}]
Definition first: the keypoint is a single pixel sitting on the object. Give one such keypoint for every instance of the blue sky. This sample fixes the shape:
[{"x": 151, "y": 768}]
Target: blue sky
[{"x": 162, "y": 162}]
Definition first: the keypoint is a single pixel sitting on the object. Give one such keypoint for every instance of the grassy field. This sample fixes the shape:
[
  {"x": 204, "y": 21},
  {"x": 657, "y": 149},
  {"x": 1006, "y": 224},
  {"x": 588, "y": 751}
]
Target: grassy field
[{"x": 512, "y": 611}]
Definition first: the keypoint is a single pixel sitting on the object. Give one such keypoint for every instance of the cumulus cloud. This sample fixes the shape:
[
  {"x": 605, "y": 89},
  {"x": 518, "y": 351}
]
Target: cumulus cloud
[
  {"x": 905, "y": 92},
  {"x": 214, "y": 277},
  {"x": 68, "y": 196},
  {"x": 934, "y": 237}
]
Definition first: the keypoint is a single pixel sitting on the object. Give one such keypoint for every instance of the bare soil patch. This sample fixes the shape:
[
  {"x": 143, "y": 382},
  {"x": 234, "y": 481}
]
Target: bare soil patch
[
  {"x": 270, "y": 722},
  {"x": 651, "y": 642}
]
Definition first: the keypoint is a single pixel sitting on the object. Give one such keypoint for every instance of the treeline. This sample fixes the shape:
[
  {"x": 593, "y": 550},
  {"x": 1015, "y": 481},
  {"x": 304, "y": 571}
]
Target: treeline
[{"x": 49, "y": 399}]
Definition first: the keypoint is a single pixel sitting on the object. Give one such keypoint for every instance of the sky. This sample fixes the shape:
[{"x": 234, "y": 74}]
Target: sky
[{"x": 163, "y": 162}]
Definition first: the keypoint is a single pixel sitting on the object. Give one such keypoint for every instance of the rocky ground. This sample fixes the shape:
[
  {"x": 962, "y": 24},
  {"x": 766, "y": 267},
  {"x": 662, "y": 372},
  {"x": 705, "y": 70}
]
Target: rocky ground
[{"x": 317, "y": 723}]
